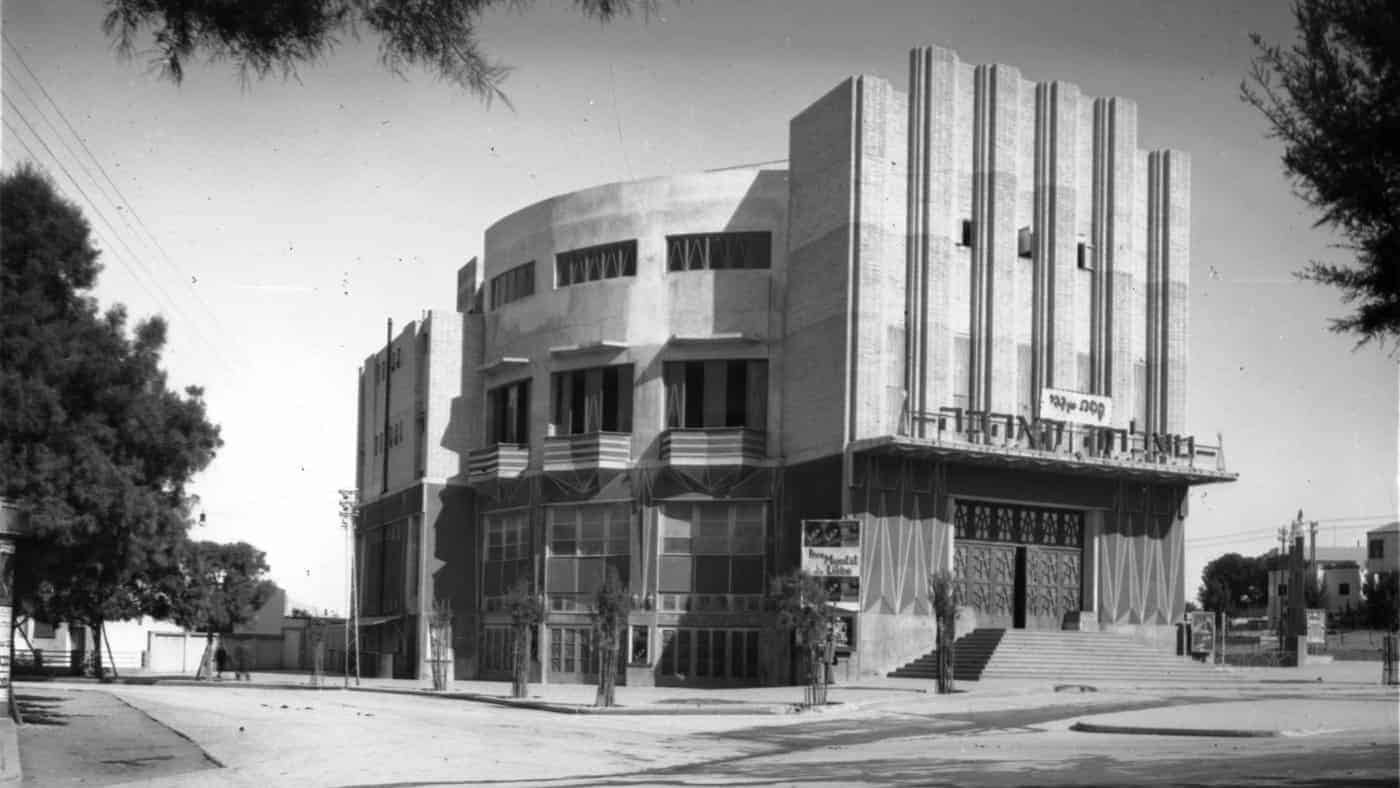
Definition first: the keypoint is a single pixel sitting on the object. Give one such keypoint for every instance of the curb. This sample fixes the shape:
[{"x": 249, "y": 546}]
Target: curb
[
  {"x": 1228, "y": 733},
  {"x": 569, "y": 708},
  {"x": 10, "y": 769}
]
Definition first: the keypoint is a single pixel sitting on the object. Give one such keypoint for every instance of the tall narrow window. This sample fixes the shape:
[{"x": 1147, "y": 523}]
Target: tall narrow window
[
  {"x": 508, "y": 408},
  {"x": 730, "y": 393},
  {"x": 589, "y": 400},
  {"x": 513, "y": 285}
]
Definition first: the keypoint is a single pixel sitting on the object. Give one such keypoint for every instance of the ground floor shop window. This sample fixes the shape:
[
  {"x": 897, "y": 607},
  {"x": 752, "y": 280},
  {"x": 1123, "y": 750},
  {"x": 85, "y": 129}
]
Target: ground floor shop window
[
  {"x": 709, "y": 653},
  {"x": 496, "y": 649}
]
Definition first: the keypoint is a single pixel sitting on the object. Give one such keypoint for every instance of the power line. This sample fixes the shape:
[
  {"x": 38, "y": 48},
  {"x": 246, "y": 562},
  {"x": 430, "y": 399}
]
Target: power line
[
  {"x": 164, "y": 297},
  {"x": 121, "y": 200}
]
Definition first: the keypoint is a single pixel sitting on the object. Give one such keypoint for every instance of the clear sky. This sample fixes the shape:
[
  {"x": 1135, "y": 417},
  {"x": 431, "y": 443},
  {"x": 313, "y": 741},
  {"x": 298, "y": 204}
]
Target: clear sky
[{"x": 291, "y": 218}]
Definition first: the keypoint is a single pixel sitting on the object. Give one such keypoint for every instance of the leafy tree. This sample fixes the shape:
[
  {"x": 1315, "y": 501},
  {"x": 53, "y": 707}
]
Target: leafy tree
[
  {"x": 611, "y": 606},
  {"x": 526, "y": 611},
  {"x": 216, "y": 587},
  {"x": 1382, "y": 591},
  {"x": 92, "y": 441},
  {"x": 1333, "y": 99},
  {"x": 1232, "y": 582},
  {"x": 280, "y": 35},
  {"x": 804, "y": 608},
  {"x": 945, "y": 591}
]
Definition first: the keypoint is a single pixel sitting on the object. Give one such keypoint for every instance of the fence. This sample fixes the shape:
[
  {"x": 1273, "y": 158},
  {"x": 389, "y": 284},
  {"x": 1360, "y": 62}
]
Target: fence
[{"x": 64, "y": 662}]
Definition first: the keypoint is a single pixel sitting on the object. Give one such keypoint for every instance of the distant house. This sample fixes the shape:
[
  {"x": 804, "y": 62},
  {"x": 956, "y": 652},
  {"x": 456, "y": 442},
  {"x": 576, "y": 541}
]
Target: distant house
[
  {"x": 1383, "y": 549},
  {"x": 1338, "y": 569}
]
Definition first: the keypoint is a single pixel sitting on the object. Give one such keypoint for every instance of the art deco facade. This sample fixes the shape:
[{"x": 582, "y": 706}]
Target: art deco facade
[{"x": 667, "y": 377}]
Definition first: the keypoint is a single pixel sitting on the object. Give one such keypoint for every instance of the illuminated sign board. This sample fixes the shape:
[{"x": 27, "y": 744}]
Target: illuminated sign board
[{"x": 1059, "y": 435}]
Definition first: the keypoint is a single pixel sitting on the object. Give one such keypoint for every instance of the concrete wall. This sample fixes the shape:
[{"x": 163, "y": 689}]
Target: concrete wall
[
  {"x": 994, "y": 327},
  {"x": 643, "y": 311},
  {"x": 845, "y": 328}
]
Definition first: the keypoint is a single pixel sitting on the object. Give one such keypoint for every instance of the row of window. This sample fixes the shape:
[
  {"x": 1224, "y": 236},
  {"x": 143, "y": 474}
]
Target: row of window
[
  {"x": 686, "y": 652},
  {"x": 709, "y": 548},
  {"x": 395, "y": 438},
  {"x": 1025, "y": 241},
  {"x": 700, "y": 252},
  {"x": 394, "y": 361},
  {"x": 699, "y": 394},
  {"x": 709, "y": 653}
]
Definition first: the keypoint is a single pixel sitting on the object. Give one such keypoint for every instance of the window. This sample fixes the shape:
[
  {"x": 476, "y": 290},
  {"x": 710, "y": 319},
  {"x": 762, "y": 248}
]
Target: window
[
  {"x": 513, "y": 285},
  {"x": 585, "y": 541},
  {"x": 508, "y": 411},
  {"x": 590, "y": 400},
  {"x": 594, "y": 263},
  {"x": 718, "y": 251},
  {"x": 1282, "y": 590},
  {"x": 43, "y": 630},
  {"x": 712, "y": 548},
  {"x": 709, "y": 653},
  {"x": 507, "y": 553},
  {"x": 1024, "y": 241},
  {"x": 496, "y": 650},
  {"x": 1344, "y": 589},
  {"x": 1375, "y": 548},
  {"x": 571, "y": 650},
  {"x": 1084, "y": 258},
  {"x": 716, "y": 394},
  {"x": 638, "y": 654}
]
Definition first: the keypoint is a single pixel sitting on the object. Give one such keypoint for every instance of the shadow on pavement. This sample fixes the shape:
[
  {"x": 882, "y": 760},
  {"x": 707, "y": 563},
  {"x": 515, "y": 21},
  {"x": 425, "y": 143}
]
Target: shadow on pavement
[{"x": 42, "y": 709}]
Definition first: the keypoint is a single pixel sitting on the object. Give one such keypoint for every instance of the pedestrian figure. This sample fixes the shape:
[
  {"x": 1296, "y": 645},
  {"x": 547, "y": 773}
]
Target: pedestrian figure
[
  {"x": 242, "y": 662},
  {"x": 220, "y": 661}
]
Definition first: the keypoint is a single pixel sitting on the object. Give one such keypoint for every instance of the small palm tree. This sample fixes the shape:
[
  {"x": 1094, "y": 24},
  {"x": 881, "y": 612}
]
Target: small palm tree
[
  {"x": 945, "y": 594},
  {"x": 611, "y": 606},
  {"x": 804, "y": 608},
  {"x": 440, "y": 641},
  {"x": 526, "y": 611}
]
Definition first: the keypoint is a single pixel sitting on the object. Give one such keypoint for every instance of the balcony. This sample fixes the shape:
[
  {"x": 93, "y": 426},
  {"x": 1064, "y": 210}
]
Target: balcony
[
  {"x": 493, "y": 463},
  {"x": 712, "y": 446},
  {"x": 588, "y": 451}
]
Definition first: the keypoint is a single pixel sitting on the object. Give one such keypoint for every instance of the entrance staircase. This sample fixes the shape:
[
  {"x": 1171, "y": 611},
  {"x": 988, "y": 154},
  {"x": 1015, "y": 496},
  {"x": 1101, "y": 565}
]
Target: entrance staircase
[{"x": 1059, "y": 655}]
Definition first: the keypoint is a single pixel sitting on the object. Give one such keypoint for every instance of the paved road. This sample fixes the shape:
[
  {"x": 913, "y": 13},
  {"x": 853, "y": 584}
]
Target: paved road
[
  {"x": 94, "y": 738},
  {"x": 279, "y": 737}
]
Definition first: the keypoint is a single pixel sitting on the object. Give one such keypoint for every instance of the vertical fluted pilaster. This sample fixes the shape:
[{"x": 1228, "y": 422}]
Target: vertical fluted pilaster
[{"x": 1177, "y": 273}]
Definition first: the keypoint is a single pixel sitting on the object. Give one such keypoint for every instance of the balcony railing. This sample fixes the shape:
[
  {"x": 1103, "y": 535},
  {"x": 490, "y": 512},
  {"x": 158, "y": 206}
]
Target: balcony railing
[
  {"x": 500, "y": 461},
  {"x": 712, "y": 446},
  {"x": 587, "y": 451}
]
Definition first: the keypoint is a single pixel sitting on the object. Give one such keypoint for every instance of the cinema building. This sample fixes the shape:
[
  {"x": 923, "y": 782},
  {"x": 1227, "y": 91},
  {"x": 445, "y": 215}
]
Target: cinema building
[{"x": 955, "y": 324}]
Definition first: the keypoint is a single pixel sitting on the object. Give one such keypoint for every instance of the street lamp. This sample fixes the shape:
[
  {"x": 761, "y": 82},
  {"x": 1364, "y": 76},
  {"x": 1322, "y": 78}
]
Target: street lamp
[{"x": 348, "y": 500}]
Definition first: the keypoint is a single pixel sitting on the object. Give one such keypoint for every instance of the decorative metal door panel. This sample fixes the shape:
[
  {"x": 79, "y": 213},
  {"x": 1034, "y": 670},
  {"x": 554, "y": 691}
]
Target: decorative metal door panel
[
  {"x": 988, "y": 572},
  {"x": 1052, "y": 585}
]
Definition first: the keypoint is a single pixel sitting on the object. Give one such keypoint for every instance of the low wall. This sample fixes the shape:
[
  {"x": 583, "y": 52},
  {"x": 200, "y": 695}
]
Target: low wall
[{"x": 888, "y": 640}]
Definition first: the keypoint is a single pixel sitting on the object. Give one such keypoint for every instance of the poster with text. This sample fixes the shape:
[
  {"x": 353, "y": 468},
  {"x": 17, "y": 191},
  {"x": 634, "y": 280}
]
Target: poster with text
[{"x": 831, "y": 553}]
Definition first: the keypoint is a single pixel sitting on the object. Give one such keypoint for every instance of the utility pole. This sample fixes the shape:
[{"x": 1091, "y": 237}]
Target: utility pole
[
  {"x": 1312, "y": 534},
  {"x": 348, "y": 499}
]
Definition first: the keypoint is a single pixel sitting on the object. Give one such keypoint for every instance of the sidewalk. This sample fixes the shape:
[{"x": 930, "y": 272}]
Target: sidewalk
[
  {"x": 1252, "y": 719},
  {"x": 1335, "y": 679}
]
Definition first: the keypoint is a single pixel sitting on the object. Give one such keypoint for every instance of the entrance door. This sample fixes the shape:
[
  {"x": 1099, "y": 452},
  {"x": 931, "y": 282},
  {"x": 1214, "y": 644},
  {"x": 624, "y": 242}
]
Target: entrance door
[{"x": 1020, "y": 565}]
